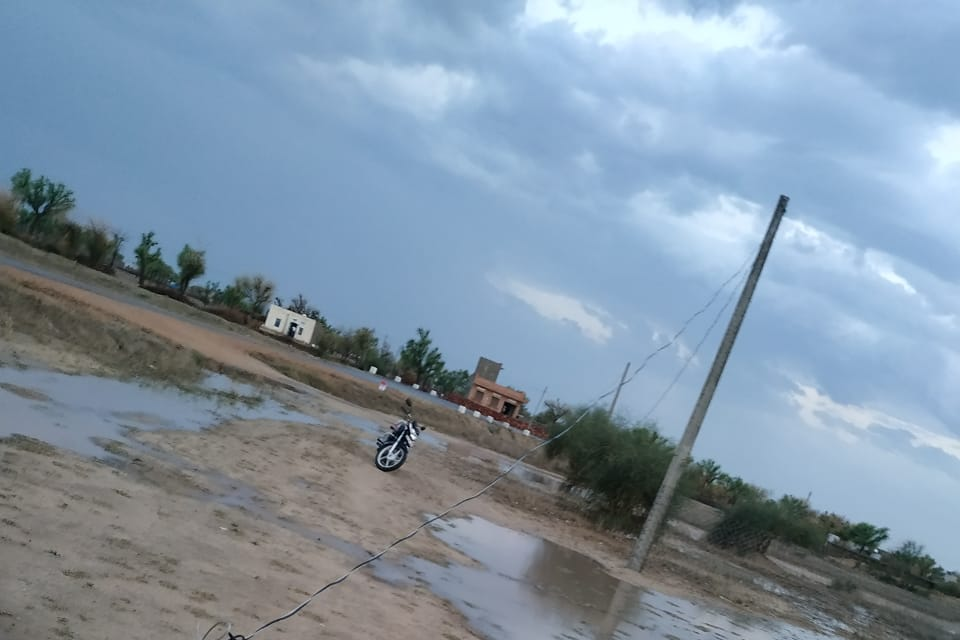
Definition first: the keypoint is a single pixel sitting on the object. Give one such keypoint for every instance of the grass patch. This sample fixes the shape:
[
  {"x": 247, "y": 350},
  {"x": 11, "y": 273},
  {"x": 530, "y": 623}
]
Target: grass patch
[
  {"x": 25, "y": 393},
  {"x": 28, "y": 444}
]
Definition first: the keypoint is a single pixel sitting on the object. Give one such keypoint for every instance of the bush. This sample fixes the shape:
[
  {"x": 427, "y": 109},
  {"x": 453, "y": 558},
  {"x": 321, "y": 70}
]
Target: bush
[
  {"x": 750, "y": 527},
  {"x": 8, "y": 213},
  {"x": 843, "y": 584},
  {"x": 96, "y": 247},
  {"x": 747, "y": 527},
  {"x": 229, "y": 314},
  {"x": 621, "y": 466}
]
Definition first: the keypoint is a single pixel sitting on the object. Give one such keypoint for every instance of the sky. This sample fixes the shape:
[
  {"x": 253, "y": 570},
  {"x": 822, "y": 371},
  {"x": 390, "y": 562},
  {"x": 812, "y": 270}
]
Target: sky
[{"x": 558, "y": 185}]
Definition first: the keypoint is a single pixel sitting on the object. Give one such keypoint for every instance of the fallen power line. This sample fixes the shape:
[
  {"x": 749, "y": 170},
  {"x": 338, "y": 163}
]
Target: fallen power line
[{"x": 229, "y": 635}]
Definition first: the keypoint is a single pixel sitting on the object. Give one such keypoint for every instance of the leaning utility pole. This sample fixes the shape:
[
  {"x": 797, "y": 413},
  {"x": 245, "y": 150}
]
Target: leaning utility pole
[
  {"x": 616, "y": 396},
  {"x": 665, "y": 496}
]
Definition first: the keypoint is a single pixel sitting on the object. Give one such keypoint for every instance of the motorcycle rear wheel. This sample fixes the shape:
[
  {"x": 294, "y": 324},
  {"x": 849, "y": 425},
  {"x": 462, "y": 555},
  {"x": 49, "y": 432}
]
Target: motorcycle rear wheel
[{"x": 385, "y": 462}]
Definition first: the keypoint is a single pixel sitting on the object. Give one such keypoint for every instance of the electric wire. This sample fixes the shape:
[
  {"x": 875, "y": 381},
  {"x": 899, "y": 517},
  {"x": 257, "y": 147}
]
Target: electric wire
[{"x": 228, "y": 635}]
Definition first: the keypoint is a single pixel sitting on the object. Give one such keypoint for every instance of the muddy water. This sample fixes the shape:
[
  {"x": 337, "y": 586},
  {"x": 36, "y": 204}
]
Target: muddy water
[
  {"x": 530, "y": 589},
  {"x": 75, "y": 412}
]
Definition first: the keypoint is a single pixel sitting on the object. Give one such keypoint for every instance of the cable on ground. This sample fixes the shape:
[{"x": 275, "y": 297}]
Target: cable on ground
[{"x": 228, "y": 635}]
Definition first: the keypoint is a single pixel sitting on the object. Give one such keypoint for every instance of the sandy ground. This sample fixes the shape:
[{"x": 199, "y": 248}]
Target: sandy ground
[{"x": 242, "y": 521}]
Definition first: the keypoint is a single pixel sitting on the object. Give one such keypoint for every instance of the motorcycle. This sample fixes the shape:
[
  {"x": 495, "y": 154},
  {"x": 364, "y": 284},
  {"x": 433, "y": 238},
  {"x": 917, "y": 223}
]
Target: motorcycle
[{"x": 394, "y": 447}]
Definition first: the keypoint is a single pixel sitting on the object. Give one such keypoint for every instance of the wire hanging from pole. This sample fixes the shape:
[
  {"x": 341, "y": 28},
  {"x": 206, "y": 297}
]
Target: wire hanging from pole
[{"x": 228, "y": 635}]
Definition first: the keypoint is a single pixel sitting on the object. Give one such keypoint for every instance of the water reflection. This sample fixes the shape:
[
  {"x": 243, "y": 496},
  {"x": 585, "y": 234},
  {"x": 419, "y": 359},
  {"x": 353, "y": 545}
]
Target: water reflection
[
  {"x": 79, "y": 412},
  {"x": 531, "y": 589}
]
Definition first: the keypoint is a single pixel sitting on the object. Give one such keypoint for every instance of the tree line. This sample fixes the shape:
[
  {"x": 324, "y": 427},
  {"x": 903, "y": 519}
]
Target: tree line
[
  {"x": 615, "y": 468},
  {"x": 615, "y": 465},
  {"x": 36, "y": 210}
]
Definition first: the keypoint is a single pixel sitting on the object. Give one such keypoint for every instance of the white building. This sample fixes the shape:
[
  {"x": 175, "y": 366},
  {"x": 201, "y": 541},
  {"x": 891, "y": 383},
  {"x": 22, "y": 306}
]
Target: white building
[
  {"x": 952, "y": 577},
  {"x": 287, "y": 323}
]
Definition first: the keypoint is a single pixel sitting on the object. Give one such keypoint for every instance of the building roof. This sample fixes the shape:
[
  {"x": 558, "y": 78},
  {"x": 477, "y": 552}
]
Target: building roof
[{"x": 511, "y": 394}]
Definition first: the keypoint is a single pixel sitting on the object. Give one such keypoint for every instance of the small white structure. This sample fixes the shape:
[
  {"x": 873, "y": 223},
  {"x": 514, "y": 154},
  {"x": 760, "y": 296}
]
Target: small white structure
[
  {"x": 284, "y": 322},
  {"x": 952, "y": 577}
]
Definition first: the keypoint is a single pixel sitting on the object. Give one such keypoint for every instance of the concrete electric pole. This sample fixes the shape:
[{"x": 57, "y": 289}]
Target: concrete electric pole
[
  {"x": 616, "y": 396},
  {"x": 672, "y": 477}
]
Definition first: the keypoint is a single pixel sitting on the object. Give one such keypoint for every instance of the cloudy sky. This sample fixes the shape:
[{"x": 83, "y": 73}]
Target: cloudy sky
[{"x": 557, "y": 184}]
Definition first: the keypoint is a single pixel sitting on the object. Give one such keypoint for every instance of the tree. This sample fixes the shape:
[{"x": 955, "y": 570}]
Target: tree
[
  {"x": 457, "y": 381},
  {"x": 385, "y": 360},
  {"x": 553, "y": 412},
  {"x": 231, "y": 297},
  {"x": 98, "y": 247},
  {"x": 146, "y": 256},
  {"x": 160, "y": 272},
  {"x": 421, "y": 358},
  {"x": 8, "y": 212},
  {"x": 795, "y": 508},
  {"x": 866, "y": 537},
  {"x": 116, "y": 259},
  {"x": 299, "y": 304},
  {"x": 709, "y": 472},
  {"x": 911, "y": 557},
  {"x": 193, "y": 264},
  {"x": 209, "y": 293},
  {"x": 619, "y": 464},
  {"x": 302, "y": 306},
  {"x": 257, "y": 292},
  {"x": 835, "y": 523},
  {"x": 358, "y": 347},
  {"x": 43, "y": 201},
  {"x": 328, "y": 340},
  {"x": 739, "y": 490}
]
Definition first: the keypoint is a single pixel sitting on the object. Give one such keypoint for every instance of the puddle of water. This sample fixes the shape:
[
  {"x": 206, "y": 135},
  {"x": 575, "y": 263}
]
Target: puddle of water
[
  {"x": 79, "y": 411},
  {"x": 533, "y": 477},
  {"x": 531, "y": 589}
]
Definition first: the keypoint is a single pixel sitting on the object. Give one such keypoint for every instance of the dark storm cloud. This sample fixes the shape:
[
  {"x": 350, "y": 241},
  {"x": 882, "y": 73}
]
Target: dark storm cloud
[{"x": 415, "y": 163}]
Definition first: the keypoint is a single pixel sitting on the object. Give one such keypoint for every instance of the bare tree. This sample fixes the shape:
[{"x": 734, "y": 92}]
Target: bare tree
[{"x": 257, "y": 291}]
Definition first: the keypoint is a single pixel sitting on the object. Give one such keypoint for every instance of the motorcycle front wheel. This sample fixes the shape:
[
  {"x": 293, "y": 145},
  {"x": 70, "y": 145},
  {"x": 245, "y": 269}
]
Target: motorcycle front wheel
[{"x": 386, "y": 462}]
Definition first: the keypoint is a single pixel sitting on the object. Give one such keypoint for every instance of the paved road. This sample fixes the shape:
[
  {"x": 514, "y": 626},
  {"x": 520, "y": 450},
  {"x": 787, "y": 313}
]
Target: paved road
[{"x": 213, "y": 324}]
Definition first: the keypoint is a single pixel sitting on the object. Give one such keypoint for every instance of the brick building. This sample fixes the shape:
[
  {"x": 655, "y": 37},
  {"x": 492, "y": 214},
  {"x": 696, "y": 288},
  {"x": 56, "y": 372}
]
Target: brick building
[{"x": 485, "y": 391}]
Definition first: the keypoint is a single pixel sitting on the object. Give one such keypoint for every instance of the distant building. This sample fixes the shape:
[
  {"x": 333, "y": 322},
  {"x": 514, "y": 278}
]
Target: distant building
[
  {"x": 951, "y": 578},
  {"x": 283, "y": 322},
  {"x": 485, "y": 391}
]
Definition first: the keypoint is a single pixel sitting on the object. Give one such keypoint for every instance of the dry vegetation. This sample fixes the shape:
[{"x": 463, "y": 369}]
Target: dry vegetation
[{"x": 115, "y": 346}]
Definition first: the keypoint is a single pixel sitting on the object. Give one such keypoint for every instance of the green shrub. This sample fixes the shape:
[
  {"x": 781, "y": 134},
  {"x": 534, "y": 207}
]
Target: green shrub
[
  {"x": 621, "y": 466},
  {"x": 752, "y": 525}
]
